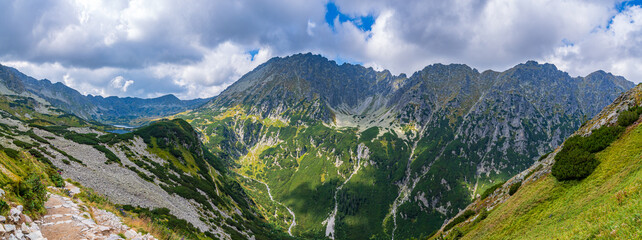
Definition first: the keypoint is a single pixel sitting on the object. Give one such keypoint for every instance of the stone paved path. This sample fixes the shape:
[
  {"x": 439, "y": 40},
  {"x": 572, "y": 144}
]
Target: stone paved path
[{"x": 71, "y": 219}]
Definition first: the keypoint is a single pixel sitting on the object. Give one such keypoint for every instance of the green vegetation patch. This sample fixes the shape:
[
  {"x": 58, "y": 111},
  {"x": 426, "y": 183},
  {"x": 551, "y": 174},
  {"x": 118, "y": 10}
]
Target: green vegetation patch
[
  {"x": 459, "y": 219},
  {"x": 491, "y": 189},
  {"x": 628, "y": 117},
  {"x": 71, "y": 158},
  {"x": 4, "y": 207},
  {"x": 513, "y": 188},
  {"x": 11, "y": 153},
  {"x": 23, "y": 145},
  {"x": 111, "y": 157},
  {"x": 33, "y": 193},
  {"x": 163, "y": 217},
  {"x": 369, "y": 134},
  {"x": 577, "y": 160}
]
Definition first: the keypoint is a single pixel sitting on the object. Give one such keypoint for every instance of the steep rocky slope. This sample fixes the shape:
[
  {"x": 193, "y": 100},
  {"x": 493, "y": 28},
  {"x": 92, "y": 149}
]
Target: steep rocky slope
[
  {"x": 350, "y": 152},
  {"x": 603, "y": 205}
]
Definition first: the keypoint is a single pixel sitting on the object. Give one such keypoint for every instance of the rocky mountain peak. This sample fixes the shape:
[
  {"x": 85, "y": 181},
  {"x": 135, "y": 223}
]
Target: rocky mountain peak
[{"x": 9, "y": 78}]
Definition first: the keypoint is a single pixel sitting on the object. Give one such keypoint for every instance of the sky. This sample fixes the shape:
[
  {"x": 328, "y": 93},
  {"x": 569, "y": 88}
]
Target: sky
[{"x": 196, "y": 48}]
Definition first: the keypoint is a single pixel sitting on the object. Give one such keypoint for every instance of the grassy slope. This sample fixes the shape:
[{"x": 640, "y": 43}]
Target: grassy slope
[{"x": 607, "y": 204}]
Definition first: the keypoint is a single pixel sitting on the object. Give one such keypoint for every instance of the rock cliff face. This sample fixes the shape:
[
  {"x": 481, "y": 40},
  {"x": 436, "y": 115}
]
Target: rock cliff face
[{"x": 436, "y": 139}]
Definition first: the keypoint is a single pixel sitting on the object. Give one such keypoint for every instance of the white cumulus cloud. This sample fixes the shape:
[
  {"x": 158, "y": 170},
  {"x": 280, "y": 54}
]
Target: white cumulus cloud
[
  {"x": 121, "y": 83},
  {"x": 199, "y": 48}
]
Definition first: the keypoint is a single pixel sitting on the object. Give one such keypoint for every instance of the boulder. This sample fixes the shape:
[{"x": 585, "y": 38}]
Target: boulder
[
  {"x": 1, "y": 192},
  {"x": 25, "y": 228},
  {"x": 101, "y": 228},
  {"x": 2, "y": 229},
  {"x": 19, "y": 234},
  {"x": 14, "y": 214},
  {"x": 73, "y": 190},
  {"x": 9, "y": 227},
  {"x": 149, "y": 237},
  {"x": 26, "y": 219},
  {"x": 3, "y": 219},
  {"x": 37, "y": 235},
  {"x": 89, "y": 222},
  {"x": 130, "y": 234},
  {"x": 113, "y": 237}
]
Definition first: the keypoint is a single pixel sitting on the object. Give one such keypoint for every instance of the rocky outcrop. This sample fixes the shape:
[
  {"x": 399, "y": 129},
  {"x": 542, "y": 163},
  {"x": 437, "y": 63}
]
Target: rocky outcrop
[{"x": 19, "y": 226}]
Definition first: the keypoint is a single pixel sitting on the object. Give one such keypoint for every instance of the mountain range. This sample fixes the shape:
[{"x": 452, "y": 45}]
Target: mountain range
[
  {"x": 303, "y": 147},
  {"x": 110, "y": 110},
  {"x": 358, "y": 153}
]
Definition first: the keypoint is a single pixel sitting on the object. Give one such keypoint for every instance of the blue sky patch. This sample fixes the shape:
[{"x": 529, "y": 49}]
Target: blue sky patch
[
  {"x": 341, "y": 60},
  {"x": 362, "y": 22},
  {"x": 253, "y": 53},
  {"x": 621, "y": 6}
]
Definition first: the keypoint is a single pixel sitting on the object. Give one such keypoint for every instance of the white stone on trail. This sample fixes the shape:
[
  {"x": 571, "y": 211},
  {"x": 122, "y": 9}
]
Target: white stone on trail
[
  {"x": 14, "y": 213},
  {"x": 73, "y": 190},
  {"x": 24, "y": 228},
  {"x": 35, "y": 235},
  {"x": 19, "y": 234},
  {"x": 9, "y": 227},
  {"x": 113, "y": 237},
  {"x": 130, "y": 234}
]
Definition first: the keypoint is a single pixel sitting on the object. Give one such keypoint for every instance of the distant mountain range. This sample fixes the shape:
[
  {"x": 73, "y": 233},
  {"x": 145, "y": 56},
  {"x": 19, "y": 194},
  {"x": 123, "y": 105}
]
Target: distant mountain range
[{"x": 110, "y": 110}]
